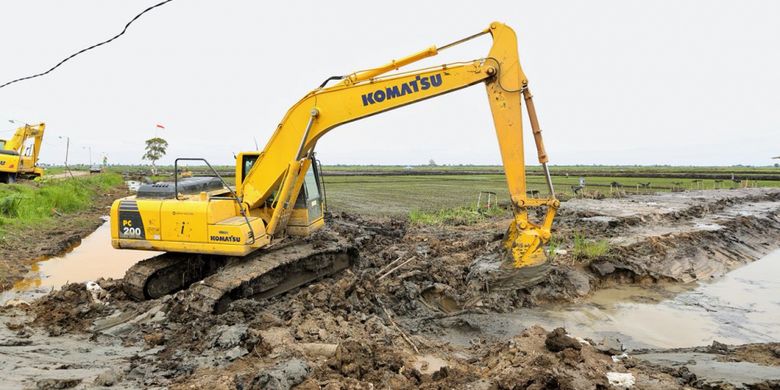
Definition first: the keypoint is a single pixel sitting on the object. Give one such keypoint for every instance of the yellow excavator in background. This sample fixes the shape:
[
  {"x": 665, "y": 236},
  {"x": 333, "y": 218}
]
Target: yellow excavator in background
[
  {"x": 233, "y": 240},
  {"x": 19, "y": 155}
]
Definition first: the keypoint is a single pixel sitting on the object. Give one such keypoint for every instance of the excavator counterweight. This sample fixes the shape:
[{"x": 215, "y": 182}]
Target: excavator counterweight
[{"x": 278, "y": 192}]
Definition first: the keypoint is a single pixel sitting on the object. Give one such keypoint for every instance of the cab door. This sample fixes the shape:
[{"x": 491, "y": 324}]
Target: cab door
[{"x": 307, "y": 214}]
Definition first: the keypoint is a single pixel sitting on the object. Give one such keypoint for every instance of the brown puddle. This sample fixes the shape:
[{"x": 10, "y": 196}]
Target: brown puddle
[
  {"x": 741, "y": 307},
  {"x": 92, "y": 259}
]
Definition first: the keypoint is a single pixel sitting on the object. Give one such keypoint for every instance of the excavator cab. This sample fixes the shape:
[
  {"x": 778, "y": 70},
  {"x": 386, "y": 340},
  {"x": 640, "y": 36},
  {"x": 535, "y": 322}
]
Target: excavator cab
[
  {"x": 309, "y": 209},
  {"x": 307, "y": 215}
]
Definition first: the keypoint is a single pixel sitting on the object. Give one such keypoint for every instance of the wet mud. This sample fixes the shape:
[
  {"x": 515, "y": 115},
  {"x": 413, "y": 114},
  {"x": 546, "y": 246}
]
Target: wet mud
[
  {"x": 719, "y": 366},
  {"x": 741, "y": 307},
  {"x": 385, "y": 322}
]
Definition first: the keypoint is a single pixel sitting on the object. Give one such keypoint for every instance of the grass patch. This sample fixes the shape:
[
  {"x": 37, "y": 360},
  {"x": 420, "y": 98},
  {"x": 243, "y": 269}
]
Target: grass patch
[
  {"x": 553, "y": 246},
  {"x": 30, "y": 204},
  {"x": 585, "y": 249},
  {"x": 453, "y": 216}
]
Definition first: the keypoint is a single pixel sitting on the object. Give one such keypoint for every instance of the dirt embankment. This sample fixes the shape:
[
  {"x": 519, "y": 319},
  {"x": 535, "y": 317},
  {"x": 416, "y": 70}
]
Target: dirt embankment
[
  {"x": 378, "y": 325},
  {"x": 23, "y": 247},
  {"x": 678, "y": 237}
]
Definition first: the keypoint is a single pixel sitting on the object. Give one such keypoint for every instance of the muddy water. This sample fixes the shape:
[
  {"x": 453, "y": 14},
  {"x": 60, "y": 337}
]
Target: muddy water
[
  {"x": 92, "y": 259},
  {"x": 741, "y": 307}
]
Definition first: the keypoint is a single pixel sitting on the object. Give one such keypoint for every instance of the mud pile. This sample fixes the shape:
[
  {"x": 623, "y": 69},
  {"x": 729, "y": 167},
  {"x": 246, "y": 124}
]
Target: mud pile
[
  {"x": 70, "y": 309},
  {"x": 316, "y": 339}
]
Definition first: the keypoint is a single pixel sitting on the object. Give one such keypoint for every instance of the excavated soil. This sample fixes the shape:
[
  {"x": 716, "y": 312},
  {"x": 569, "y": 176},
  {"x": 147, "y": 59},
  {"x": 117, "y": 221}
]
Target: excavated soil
[{"x": 380, "y": 323}]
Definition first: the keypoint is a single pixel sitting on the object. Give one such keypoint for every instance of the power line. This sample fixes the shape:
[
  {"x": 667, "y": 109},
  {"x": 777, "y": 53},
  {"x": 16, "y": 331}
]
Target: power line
[{"x": 88, "y": 48}]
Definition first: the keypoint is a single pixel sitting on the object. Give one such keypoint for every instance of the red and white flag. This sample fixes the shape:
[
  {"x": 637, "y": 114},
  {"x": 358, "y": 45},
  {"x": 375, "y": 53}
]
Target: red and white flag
[{"x": 160, "y": 126}]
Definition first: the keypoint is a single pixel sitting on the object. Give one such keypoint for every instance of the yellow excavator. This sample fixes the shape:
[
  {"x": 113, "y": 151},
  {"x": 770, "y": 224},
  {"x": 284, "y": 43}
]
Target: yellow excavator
[
  {"x": 240, "y": 241},
  {"x": 18, "y": 157}
]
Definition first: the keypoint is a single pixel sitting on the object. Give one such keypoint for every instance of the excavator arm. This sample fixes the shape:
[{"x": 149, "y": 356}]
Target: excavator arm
[
  {"x": 278, "y": 171},
  {"x": 18, "y": 157},
  {"x": 24, "y": 133}
]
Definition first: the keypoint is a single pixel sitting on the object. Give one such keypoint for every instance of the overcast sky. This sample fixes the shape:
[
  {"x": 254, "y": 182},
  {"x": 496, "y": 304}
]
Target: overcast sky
[{"x": 615, "y": 82}]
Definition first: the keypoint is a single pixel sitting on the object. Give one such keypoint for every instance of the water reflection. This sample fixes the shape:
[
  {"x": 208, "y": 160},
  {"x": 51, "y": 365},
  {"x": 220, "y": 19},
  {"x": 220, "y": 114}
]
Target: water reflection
[{"x": 92, "y": 259}]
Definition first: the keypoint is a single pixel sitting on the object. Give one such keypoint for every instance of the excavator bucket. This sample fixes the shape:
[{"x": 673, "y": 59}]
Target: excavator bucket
[
  {"x": 523, "y": 261},
  {"x": 525, "y": 240},
  {"x": 525, "y": 247}
]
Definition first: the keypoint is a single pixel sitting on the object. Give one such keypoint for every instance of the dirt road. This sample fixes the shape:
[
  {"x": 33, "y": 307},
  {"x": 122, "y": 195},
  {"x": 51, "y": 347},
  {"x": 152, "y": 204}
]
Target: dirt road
[
  {"x": 66, "y": 175},
  {"x": 357, "y": 331}
]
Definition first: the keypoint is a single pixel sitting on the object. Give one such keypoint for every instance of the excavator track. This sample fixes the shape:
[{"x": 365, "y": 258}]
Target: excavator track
[
  {"x": 167, "y": 273},
  {"x": 213, "y": 282},
  {"x": 269, "y": 274}
]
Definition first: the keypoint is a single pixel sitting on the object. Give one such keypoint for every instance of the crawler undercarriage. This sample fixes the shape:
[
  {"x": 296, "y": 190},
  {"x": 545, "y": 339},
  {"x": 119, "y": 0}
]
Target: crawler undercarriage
[{"x": 213, "y": 282}]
